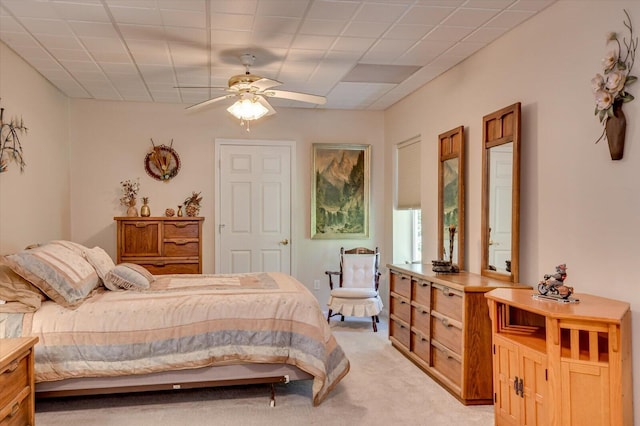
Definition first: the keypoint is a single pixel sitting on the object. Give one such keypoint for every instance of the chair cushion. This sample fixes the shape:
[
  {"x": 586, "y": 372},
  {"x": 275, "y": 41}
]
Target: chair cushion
[
  {"x": 355, "y": 307},
  {"x": 354, "y": 293},
  {"x": 359, "y": 271}
]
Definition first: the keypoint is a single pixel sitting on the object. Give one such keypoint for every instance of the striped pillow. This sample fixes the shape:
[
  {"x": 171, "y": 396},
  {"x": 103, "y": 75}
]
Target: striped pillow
[
  {"x": 128, "y": 276},
  {"x": 58, "y": 271}
]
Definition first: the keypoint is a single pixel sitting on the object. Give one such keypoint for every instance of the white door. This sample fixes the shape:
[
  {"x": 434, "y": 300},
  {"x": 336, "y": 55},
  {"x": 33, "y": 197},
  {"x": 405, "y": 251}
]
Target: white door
[{"x": 254, "y": 204}]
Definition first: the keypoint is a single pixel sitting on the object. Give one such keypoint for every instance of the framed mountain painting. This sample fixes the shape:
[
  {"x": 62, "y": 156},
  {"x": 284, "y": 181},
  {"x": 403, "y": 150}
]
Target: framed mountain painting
[{"x": 340, "y": 191}]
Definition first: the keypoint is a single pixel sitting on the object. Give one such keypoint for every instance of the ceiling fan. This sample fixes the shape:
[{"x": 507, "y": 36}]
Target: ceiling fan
[{"x": 251, "y": 92}]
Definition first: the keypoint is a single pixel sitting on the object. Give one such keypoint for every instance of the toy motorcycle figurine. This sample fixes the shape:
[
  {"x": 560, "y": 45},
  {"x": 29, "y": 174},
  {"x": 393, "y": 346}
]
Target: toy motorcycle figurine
[{"x": 553, "y": 284}]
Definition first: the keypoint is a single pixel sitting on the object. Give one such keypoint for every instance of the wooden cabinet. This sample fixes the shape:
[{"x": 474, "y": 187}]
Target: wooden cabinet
[
  {"x": 17, "y": 403},
  {"x": 163, "y": 245},
  {"x": 441, "y": 322},
  {"x": 561, "y": 363}
]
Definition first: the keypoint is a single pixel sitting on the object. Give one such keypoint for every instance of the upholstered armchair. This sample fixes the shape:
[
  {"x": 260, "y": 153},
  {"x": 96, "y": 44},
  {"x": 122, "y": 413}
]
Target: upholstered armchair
[{"x": 356, "y": 291}]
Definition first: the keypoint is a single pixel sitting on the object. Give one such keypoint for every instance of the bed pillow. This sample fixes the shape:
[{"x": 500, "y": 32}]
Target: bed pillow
[
  {"x": 18, "y": 294},
  {"x": 129, "y": 276},
  {"x": 58, "y": 271},
  {"x": 101, "y": 262}
]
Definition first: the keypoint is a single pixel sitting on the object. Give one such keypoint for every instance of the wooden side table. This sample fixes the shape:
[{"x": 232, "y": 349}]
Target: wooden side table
[{"x": 17, "y": 385}]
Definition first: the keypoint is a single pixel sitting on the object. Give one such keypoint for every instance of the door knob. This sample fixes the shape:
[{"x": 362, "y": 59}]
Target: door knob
[{"x": 284, "y": 242}]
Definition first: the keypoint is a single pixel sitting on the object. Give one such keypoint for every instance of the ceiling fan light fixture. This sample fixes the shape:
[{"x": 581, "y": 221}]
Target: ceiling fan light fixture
[{"x": 248, "y": 109}]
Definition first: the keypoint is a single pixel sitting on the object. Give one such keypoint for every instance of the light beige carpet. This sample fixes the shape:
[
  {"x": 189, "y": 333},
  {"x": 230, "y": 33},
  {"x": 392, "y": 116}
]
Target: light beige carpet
[{"x": 382, "y": 388}]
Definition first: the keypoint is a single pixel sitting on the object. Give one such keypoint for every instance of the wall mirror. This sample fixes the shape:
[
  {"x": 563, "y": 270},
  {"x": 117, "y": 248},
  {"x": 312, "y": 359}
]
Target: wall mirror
[
  {"x": 500, "y": 232},
  {"x": 451, "y": 181}
]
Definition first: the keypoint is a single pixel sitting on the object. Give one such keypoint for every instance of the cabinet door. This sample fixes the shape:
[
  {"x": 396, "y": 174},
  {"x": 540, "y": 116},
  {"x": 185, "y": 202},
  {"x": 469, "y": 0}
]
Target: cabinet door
[
  {"x": 533, "y": 371},
  {"x": 505, "y": 371},
  {"x": 583, "y": 381},
  {"x": 140, "y": 239}
]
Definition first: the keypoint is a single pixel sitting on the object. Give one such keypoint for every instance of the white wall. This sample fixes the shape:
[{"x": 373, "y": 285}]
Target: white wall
[
  {"x": 109, "y": 141},
  {"x": 577, "y": 205},
  {"x": 31, "y": 211}
]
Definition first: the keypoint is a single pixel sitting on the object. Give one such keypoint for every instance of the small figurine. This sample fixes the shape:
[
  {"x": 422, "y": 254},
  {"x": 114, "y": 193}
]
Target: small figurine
[{"x": 553, "y": 284}]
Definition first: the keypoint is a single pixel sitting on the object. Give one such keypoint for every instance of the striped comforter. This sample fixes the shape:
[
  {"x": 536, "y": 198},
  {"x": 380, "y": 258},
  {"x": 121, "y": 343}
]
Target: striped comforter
[{"x": 188, "y": 321}]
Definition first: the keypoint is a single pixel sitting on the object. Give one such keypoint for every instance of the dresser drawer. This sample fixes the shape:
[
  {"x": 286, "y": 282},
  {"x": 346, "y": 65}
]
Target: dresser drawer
[
  {"x": 401, "y": 284},
  {"x": 181, "y": 248},
  {"x": 421, "y": 292},
  {"x": 181, "y": 229},
  {"x": 400, "y": 332},
  {"x": 446, "y": 363},
  {"x": 420, "y": 318},
  {"x": 163, "y": 267},
  {"x": 13, "y": 379},
  {"x": 420, "y": 346},
  {"x": 140, "y": 238},
  {"x": 446, "y": 331},
  {"x": 401, "y": 308},
  {"x": 447, "y": 301},
  {"x": 17, "y": 412}
]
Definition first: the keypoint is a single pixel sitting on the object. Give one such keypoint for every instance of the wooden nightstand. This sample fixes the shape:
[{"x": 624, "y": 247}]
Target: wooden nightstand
[{"x": 17, "y": 402}]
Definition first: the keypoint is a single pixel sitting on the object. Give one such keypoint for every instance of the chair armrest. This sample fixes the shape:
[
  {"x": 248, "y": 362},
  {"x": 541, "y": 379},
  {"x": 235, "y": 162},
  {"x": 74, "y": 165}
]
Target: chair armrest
[{"x": 331, "y": 274}]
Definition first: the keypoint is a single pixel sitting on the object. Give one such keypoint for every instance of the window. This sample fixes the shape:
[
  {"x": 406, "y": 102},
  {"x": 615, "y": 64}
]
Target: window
[
  {"x": 416, "y": 236},
  {"x": 407, "y": 215}
]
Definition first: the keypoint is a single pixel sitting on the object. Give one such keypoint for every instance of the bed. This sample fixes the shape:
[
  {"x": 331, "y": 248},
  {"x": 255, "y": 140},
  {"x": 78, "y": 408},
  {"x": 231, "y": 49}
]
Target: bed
[{"x": 181, "y": 331}]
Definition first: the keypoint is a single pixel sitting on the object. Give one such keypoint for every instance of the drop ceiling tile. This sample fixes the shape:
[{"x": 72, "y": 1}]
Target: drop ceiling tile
[
  {"x": 231, "y": 37},
  {"x": 441, "y": 3},
  {"x": 426, "y": 15},
  {"x": 442, "y": 33},
  {"x": 322, "y": 27},
  {"x": 276, "y": 24},
  {"x": 531, "y": 5},
  {"x": 93, "y": 29},
  {"x": 141, "y": 96},
  {"x": 136, "y": 15},
  {"x": 85, "y": 76},
  {"x": 408, "y": 32},
  {"x": 56, "y": 27},
  {"x": 282, "y": 8},
  {"x": 192, "y": 5},
  {"x": 303, "y": 41},
  {"x": 509, "y": 19},
  {"x": 465, "y": 48},
  {"x": 331, "y": 10},
  {"x": 353, "y": 44},
  {"x": 70, "y": 55},
  {"x": 102, "y": 56},
  {"x": 9, "y": 24},
  {"x": 488, "y": 4},
  {"x": 245, "y": 7},
  {"x": 271, "y": 40},
  {"x": 183, "y": 18},
  {"x": 30, "y": 9},
  {"x": 81, "y": 12},
  {"x": 117, "y": 68},
  {"x": 424, "y": 52},
  {"x": 142, "y": 32},
  {"x": 386, "y": 51},
  {"x": 60, "y": 42},
  {"x": 469, "y": 17},
  {"x": 58, "y": 74},
  {"x": 232, "y": 22},
  {"x": 103, "y": 44},
  {"x": 196, "y": 36},
  {"x": 365, "y": 29},
  {"x": 379, "y": 12},
  {"x": 19, "y": 40},
  {"x": 131, "y": 3}
]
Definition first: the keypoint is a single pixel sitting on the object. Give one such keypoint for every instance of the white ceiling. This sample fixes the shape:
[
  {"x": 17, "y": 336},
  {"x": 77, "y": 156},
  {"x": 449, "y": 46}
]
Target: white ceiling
[{"x": 139, "y": 50}]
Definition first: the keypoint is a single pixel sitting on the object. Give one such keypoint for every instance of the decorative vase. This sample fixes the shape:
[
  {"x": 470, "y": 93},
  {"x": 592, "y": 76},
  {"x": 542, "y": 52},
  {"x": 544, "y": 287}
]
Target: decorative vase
[
  {"x": 179, "y": 211},
  {"x": 616, "y": 128},
  {"x": 132, "y": 211},
  {"x": 145, "y": 211}
]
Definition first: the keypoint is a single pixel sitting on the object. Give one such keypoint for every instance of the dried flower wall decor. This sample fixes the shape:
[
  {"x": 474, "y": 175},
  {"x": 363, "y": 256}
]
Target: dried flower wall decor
[
  {"x": 162, "y": 162},
  {"x": 610, "y": 89},
  {"x": 10, "y": 142}
]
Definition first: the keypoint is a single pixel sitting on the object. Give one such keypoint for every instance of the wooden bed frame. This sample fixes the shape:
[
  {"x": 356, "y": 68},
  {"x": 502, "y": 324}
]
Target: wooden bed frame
[{"x": 213, "y": 376}]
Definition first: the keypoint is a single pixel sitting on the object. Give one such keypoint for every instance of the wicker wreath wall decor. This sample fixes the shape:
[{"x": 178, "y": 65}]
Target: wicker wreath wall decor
[{"x": 162, "y": 162}]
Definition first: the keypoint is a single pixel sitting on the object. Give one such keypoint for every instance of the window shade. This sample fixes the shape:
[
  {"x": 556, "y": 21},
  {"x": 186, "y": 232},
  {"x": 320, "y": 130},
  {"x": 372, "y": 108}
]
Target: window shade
[{"x": 408, "y": 175}]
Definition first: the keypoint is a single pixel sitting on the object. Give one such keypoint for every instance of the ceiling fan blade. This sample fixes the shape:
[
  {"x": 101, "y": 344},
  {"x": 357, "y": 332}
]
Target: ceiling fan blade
[
  {"x": 262, "y": 101},
  {"x": 265, "y": 83},
  {"x": 295, "y": 96},
  {"x": 209, "y": 102}
]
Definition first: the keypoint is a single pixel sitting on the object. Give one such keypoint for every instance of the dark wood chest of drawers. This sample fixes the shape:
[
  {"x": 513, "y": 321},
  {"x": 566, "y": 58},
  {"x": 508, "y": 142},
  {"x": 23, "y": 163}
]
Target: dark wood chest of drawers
[{"x": 163, "y": 245}]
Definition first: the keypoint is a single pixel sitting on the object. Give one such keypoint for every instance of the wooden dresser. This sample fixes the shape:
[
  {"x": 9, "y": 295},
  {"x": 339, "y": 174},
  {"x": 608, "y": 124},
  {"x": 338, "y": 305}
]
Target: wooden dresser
[
  {"x": 560, "y": 363},
  {"x": 441, "y": 323},
  {"x": 163, "y": 245},
  {"x": 17, "y": 387}
]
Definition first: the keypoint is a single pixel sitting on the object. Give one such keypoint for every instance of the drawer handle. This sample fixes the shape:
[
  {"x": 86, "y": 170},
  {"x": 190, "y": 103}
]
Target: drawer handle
[
  {"x": 424, "y": 284},
  {"x": 181, "y": 225},
  {"x": 445, "y": 322},
  {"x": 403, "y": 277},
  {"x": 447, "y": 291},
  {"x": 12, "y": 367},
  {"x": 402, "y": 302},
  {"x": 423, "y": 312},
  {"x": 142, "y": 224},
  {"x": 159, "y": 264},
  {"x": 181, "y": 242},
  {"x": 14, "y": 409}
]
